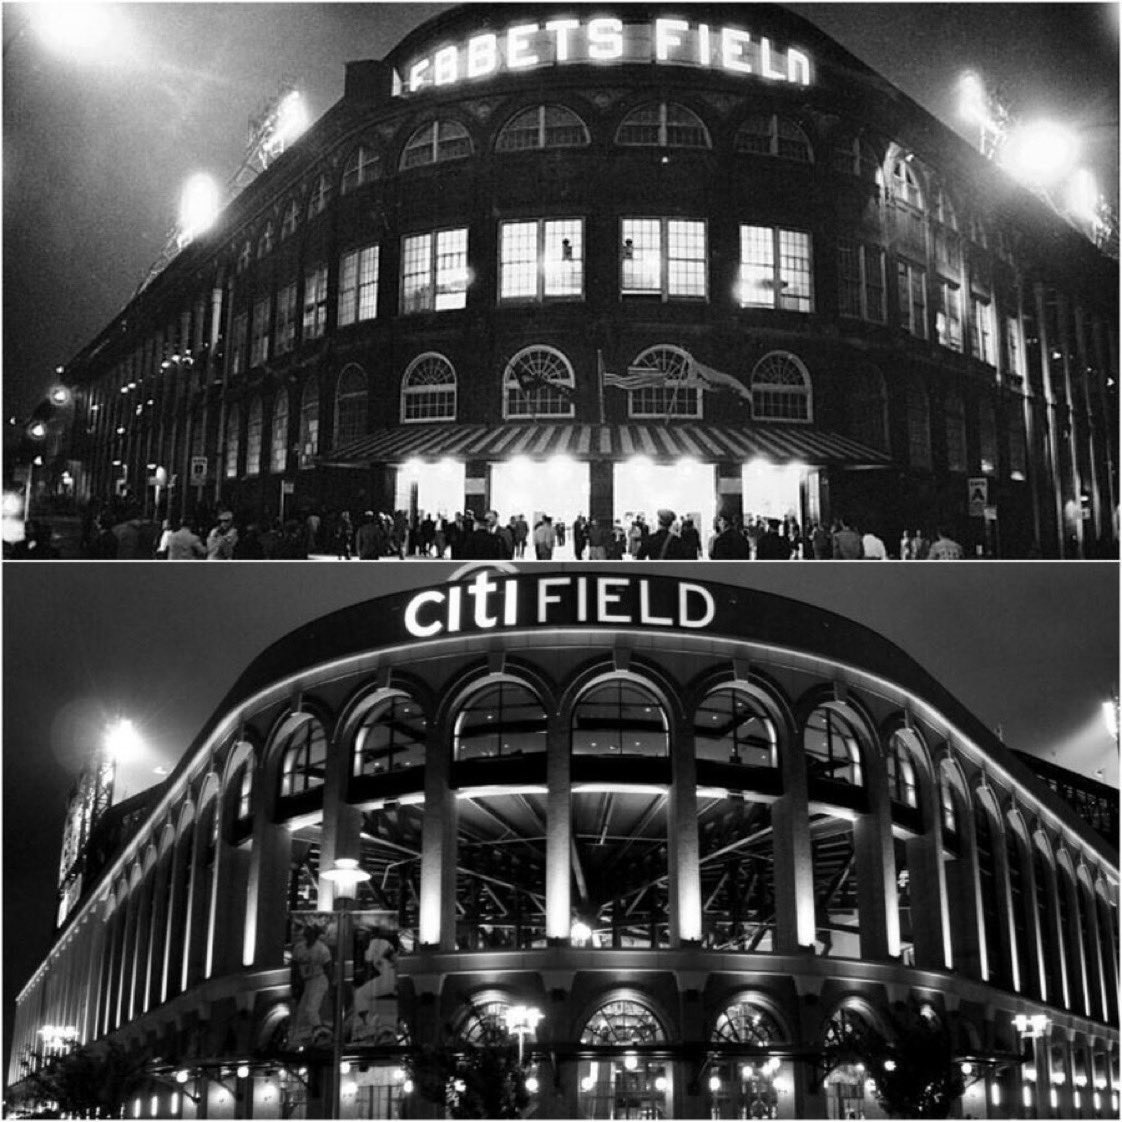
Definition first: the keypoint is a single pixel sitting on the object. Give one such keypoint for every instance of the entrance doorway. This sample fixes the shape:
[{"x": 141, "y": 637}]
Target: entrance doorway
[
  {"x": 773, "y": 490},
  {"x": 688, "y": 488},
  {"x": 440, "y": 487},
  {"x": 558, "y": 487}
]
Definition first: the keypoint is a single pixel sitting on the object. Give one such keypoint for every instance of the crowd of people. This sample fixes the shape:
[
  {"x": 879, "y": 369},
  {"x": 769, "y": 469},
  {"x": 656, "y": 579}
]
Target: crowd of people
[{"x": 122, "y": 532}]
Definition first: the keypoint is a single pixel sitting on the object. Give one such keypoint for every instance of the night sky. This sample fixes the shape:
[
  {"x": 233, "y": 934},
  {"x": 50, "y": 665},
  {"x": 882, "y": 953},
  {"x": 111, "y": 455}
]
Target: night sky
[
  {"x": 1032, "y": 648},
  {"x": 95, "y": 152}
]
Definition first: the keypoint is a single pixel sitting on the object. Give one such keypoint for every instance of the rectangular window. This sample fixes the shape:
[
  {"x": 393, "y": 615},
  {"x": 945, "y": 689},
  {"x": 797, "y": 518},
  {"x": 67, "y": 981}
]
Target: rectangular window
[
  {"x": 259, "y": 347},
  {"x": 1013, "y": 346},
  {"x": 358, "y": 285},
  {"x": 239, "y": 333},
  {"x": 911, "y": 291},
  {"x": 861, "y": 281},
  {"x": 541, "y": 260},
  {"x": 285, "y": 337},
  {"x": 315, "y": 302},
  {"x": 664, "y": 257},
  {"x": 948, "y": 315},
  {"x": 434, "y": 271},
  {"x": 982, "y": 324},
  {"x": 775, "y": 269}
]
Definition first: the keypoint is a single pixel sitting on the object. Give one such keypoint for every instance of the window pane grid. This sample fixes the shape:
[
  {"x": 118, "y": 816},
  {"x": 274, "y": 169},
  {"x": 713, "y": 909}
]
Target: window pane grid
[
  {"x": 253, "y": 434},
  {"x": 278, "y": 453},
  {"x": 535, "y": 365},
  {"x": 642, "y": 255},
  {"x": 451, "y": 269},
  {"x": 518, "y": 261},
  {"x": 794, "y": 271},
  {"x": 429, "y": 390},
  {"x": 686, "y": 258},
  {"x": 315, "y": 303},
  {"x": 416, "y": 282},
  {"x": 286, "y": 320}
]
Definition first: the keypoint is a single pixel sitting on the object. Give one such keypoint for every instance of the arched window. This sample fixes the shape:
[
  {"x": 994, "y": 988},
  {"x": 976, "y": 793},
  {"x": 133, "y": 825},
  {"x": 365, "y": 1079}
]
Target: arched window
[
  {"x": 765, "y": 135},
  {"x": 1023, "y": 920},
  {"x": 844, "y": 1043},
  {"x": 435, "y": 143},
  {"x": 265, "y": 245},
  {"x": 666, "y": 368},
  {"x": 900, "y": 770},
  {"x": 428, "y": 390},
  {"x": 832, "y": 748},
  {"x": 747, "y": 1085},
  {"x": 304, "y": 758},
  {"x": 363, "y": 166},
  {"x": 622, "y": 1076},
  {"x": 233, "y": 441},
  {"x": 919, "y": 424},
  {"x": 318, "y": 199},
  {"x": 545, "y": 126},
  {"x": 619, "y": 717},
  {"x": 539, "y": 382},
  {"x": 502, "y": 719},
  {"x": 243, "y": 785},
  {"x": 278, "y": 438},
  {"x": 866, "y": 408},
  {"x": 905, "y": 183},
  {"x": 291, "y": 219},
  {"x": 949, "y": 809},
  {"x": 781, "y": 389},
  {"x": 350, "y": 405},
  {"x": 857, "y": 157},
  {"x": 309, "y": 422},
  {"x": 731, "y": 726},
  {"x": 484, "y": 1024},
  {"x": 663, "y": 125},
  {"x": 954, "y": 416},
  {"x": 944, "y": 210},
  {"x": 253, "y": 436},
  {"x": 390, "y": 737},
  {"x": 988, "y": 842}
]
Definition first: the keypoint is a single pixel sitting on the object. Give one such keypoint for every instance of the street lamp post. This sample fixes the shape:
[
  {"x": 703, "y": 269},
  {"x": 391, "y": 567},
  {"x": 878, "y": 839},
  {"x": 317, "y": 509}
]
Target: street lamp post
[
  {"x": 1033, "y": 1029},
  {"x": 522, "y": 1020},
  {"x": 345, "y": 876}
]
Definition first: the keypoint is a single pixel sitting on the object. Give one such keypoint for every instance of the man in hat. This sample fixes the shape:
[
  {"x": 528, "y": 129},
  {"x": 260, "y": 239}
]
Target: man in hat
[{"x": 663, "y": 544}]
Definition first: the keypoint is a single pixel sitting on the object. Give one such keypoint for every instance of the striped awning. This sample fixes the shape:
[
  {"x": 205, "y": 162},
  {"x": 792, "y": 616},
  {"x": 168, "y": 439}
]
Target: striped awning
[{"x": 780, "y": 444}]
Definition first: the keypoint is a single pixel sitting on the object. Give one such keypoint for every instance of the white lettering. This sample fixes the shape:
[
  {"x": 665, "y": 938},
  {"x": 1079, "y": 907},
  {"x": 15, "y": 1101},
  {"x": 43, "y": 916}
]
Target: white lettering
[
  {"x": 454, "y": 601},
  {"x": 510, "y": 603},
  {"x": 545, "y": 598},
  {"x": 518, "y": 46},
  {"x": 446, "y": 66},
  {"x": 416, "y": 75},
  {"x": 605, "y": 39},
  {"x": 483, "y": 56},
  {"x": 582, "y": 600},
  {"x": 668, "y": 35},
  {"x": 558, "y": 42},
  {"x": 798, "y": 68},
  {"x": 606, "y": 595},
  {"x": 480, "y": 589},
  {"x": 560, "y": 29},
  {"x": 645, "y": 608},
  {"x": 765, "y": 62},
  {"x": 734, "y": 45},
  {"x": 697, "y": 591},
  {"x": 413, "y": 625},
  {"x": 704, "y": 47}
]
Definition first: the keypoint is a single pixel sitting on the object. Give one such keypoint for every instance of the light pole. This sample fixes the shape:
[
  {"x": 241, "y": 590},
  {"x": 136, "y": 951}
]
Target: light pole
[
  {"x": 522, "y": 1020},
  {"x": 1033, "y": 1028},
  {"x": 345, "y": 876}
]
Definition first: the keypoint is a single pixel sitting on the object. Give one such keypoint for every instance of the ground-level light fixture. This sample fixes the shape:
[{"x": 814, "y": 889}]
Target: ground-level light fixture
[
  {"x": 532, "y": 1084},
  {"x": 714, "y": 1083},
  {"x": 661, "y": 1083},
  {"x": 580, "y": 934},
  {"x": 522, "y": 1020},
  {"x": 243, "y": 1071},
  {"x": 630, "y": 1061},
  {"x": 1031, "y": 1026}
]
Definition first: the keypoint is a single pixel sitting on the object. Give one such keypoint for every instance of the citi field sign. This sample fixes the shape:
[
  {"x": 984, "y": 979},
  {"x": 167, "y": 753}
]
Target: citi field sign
[
  {"x": 603, "y": 41},
  {"x": 491, "y": 601}
]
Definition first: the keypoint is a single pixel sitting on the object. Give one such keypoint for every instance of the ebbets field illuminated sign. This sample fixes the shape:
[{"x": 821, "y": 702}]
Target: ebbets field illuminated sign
[
  {"x": 604, "y": 41},
  {"x": 491, "y": 601}
]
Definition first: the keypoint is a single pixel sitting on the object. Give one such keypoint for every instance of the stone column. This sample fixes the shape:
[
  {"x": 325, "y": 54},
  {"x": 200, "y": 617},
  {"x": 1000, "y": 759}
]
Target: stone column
[
  {"x": 683, "y": 848},
  {"x": 1053, "y": 475},
  {"x": 795, "y": 925},
  {"x": 439, "y": 846},
  {"x": 875, "y": 860},
  {"x": 559, "y": 833}
]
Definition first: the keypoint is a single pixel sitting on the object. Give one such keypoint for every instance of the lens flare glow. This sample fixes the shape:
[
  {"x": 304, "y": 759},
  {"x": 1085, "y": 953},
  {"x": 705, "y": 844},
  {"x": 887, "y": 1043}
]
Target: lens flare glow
[
  {"x": 1040, "y": 153},
  {"x": 198, "y": 207}
]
